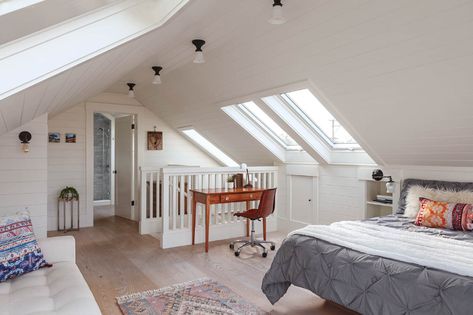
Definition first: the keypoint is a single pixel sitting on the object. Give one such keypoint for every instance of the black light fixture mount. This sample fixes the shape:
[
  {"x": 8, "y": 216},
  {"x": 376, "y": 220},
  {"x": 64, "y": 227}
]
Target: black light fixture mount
[
  {"x": 131, "y": 89},
  {"x": 157, "y": 76},
  {"x": 25, "y": 138},
  {"x": 199, "y": 55}
]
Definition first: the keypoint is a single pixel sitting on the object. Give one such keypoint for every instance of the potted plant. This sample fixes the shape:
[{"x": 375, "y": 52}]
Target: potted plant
[
  {"x": 231, "y": 182},
  {"x": 69, "y": 193}
]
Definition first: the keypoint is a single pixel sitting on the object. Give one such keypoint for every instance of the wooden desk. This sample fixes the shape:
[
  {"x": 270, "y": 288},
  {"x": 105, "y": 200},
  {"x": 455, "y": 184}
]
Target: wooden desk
[{"x": 210, "y": 197}]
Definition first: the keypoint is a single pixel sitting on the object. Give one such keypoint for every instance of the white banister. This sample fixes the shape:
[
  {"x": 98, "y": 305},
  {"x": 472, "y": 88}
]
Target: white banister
[{"x": 166, "y": 202}]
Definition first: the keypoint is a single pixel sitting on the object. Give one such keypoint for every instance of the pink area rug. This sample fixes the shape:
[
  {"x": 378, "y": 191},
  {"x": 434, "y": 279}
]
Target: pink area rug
[{"x": 203, "y": 296}]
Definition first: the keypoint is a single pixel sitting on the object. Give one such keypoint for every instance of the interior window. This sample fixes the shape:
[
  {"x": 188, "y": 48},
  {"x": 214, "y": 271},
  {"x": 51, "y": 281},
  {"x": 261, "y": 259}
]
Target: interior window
[{"x": 209, "y": 147}]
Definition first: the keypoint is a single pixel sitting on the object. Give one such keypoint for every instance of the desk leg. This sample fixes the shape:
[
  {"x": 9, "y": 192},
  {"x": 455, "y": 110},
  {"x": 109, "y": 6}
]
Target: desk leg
[
  {"x": 207, "y": 223},
  {"x": 194, "y": 214},
  {"x": 247, "y": 220},
  {"x": 264, "y": 229}
]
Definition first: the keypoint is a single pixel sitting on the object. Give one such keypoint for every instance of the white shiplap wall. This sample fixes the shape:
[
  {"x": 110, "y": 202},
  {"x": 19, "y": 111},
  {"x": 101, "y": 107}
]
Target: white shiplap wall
[
  {"x": 341, "y": 189},
  {"x": 23, "y": 176},
  {"x": 66, "y": 161}
]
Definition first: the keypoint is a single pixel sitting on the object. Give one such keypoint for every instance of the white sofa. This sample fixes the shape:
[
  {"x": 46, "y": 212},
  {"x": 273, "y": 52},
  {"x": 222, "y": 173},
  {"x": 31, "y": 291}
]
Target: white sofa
[{"x": 60, "y": 289}]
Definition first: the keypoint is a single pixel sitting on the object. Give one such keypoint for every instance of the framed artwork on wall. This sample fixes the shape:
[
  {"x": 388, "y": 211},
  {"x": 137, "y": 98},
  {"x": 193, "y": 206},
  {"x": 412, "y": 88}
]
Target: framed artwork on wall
[
  {"x": 155, "y": 140},
  {"x": 71, "y": 138},
  {"x": 54, "y": 137}
]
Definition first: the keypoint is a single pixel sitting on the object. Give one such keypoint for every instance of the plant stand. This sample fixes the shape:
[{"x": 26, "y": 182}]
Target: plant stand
[{"x": 65, "y": 202}]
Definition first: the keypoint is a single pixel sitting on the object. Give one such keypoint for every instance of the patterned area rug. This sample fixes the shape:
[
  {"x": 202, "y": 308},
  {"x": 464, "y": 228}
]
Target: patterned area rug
[{"x": 198, "y": 297}]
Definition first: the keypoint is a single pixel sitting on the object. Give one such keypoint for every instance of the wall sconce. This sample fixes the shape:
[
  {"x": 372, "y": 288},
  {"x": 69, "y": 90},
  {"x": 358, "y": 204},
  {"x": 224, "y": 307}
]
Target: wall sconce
[
  {"x": 157, "y": 76},
  {"x": 378, "y": 175},
  {"x": 199, "y": 55},
  {"x": 277, "y": 17},
  {"x": 25, "y": 138},
  {"x": 131, "y": 89}
]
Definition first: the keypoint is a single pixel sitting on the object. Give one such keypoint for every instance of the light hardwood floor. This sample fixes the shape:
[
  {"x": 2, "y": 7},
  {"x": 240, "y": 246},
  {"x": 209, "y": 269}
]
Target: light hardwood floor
[{"x": 116, "y": 260}]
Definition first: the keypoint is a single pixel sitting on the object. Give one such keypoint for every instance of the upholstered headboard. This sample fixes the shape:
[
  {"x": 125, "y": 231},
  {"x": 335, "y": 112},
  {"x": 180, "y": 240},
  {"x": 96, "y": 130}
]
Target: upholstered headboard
[{"x": 436, "y": 184}]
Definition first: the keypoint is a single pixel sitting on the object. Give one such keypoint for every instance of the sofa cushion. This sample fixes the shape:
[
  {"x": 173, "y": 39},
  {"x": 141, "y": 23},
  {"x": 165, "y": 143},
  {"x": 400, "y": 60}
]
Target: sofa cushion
[
  {"x": 19, "y": 251},
  {"x": 60, "y": 289}
]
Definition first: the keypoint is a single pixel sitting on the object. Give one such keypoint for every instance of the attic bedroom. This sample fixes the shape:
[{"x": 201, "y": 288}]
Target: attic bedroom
[{"x": 236, "y": 157}]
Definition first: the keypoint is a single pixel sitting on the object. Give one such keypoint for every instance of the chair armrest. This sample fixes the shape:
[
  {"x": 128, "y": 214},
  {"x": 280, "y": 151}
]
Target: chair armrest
[{"x": 58, "y": 249}]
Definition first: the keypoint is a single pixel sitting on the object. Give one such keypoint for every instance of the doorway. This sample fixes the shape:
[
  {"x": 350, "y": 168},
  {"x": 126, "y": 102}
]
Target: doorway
[{"x": 114, "y": 166}]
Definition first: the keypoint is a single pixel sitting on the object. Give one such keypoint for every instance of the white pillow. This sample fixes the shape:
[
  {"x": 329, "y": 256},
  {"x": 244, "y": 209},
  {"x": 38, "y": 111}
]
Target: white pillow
[{"x": 416, "y": 191}]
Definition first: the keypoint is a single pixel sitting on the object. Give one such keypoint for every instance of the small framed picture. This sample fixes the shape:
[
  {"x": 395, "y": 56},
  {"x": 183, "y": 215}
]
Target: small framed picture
[
  {"x": 155, "y": 140},
  {"x": 70, "y": 138},
  {"x": 54, "y": 137}
]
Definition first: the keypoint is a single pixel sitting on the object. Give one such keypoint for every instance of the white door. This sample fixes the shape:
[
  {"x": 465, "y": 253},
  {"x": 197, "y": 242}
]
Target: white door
[
  {"x": 124, "y": 166},
  {"x": 303, "y": 199}
]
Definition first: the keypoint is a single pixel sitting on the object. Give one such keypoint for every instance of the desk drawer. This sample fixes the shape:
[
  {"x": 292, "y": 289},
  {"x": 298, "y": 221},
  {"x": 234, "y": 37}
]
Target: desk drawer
[{"x": 240, "y": 197}]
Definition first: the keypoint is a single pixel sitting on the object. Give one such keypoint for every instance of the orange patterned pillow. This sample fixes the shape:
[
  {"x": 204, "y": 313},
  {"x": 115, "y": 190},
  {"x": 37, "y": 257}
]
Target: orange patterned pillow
[{"x": 439, "y": 214}]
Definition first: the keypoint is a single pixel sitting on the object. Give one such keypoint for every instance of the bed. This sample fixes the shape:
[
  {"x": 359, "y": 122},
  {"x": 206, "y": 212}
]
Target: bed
[{"x": 384, "y": 265}]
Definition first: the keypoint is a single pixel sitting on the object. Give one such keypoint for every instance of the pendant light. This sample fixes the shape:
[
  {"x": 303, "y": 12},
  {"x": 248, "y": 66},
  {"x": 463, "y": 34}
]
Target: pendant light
[
  {"x": 277, "y": 17},
  {"x": 199, "y": 55},
  {"x": 131, "y": 89},
  {"x": 157, "y": 76}
]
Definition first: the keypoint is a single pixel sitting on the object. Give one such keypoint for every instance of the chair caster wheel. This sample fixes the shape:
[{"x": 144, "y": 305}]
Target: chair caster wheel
[
  {"x": 265, "y": 254},
  {"x": 237, "y": 254},
  {"x": 231, "y": 246},
  {"x": 273, "y": 247}
]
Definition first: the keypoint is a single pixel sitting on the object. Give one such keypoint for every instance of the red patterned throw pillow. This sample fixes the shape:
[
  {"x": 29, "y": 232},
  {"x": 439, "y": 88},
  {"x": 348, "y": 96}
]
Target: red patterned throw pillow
[{"x": 439, "y": 214}]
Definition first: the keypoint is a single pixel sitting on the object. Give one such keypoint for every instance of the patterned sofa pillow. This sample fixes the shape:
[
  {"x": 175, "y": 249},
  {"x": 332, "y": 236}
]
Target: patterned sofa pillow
[
  {"x": 440, "y": 214},
  {"x": 19, "y": 250}
]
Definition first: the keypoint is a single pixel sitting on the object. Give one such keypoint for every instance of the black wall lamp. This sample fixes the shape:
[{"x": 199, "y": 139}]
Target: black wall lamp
[
  {"x": 199, "y": 55},
  {"x": 157, "y": 76},
  {"x": 277, "y": 17},
  {"x": 378, "y": 175},
  {"x": 25, "y": 138},
  {"x": 131, "y": 89}
]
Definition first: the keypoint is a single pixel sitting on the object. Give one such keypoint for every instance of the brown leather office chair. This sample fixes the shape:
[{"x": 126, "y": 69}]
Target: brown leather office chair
[{"x": 265, "y": 208}]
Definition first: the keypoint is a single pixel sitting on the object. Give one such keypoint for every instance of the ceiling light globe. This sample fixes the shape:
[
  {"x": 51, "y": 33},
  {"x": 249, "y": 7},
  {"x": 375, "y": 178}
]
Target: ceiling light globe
[
  {"x": 157, "y": 79},
  {"x": 277, "y": 17},
  {"x": 199, "y": 57},
  {"x": 131, "y": 94}
]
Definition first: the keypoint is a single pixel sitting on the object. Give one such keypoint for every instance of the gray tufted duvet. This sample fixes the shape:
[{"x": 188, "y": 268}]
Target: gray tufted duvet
[{"x": 369, "y": 284}]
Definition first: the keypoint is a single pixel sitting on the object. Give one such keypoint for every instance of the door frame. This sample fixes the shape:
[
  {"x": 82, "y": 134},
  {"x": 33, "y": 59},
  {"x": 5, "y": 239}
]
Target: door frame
[{"x": 133, "y": 108}]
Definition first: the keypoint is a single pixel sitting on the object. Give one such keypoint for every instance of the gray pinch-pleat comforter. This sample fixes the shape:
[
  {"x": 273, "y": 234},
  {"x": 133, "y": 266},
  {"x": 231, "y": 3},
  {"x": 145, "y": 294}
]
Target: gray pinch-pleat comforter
[{"x": 366, "y": 283}]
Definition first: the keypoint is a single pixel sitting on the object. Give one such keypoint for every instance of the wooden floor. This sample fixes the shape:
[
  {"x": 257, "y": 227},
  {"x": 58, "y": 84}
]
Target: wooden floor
[{"x": 116, "y": 260}]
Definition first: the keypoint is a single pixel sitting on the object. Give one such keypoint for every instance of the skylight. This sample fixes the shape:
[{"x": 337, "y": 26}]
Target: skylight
[
  {"x": 319, "y": 118},
  {"x": 7, "y": 6},
  {"x": 254, "y": 112},
  {"x": 209, "y": 147}
]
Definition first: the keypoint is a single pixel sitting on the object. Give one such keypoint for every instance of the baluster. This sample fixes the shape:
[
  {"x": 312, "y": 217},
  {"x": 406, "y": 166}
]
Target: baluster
[
  {"x": 158, "y": 195},
  {"x": 189, "y": 200},
  {"x": 182, "y": 206},
  {"x": 150, "y": 196},
  {"x": 174, "y": 201},
  {"x": 165, "y": 212}
]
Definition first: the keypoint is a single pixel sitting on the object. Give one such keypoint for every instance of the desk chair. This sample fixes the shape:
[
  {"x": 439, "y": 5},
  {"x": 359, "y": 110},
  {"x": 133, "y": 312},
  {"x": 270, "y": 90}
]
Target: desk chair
[{"x": 265, "y": 208}]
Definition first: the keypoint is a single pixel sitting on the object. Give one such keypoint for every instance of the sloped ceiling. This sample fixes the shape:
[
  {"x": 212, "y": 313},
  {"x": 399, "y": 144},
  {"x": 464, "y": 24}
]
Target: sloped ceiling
[{"x": 397, "y": 73}]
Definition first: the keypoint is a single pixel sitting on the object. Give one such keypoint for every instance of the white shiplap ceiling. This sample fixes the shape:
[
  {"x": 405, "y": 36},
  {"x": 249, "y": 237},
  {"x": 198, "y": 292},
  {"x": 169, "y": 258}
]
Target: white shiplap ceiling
[{"x": 397, "y": 73}]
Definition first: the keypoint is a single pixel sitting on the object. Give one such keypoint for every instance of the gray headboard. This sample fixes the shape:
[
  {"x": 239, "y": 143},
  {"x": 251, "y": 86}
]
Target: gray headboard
[{"x": 436, "y": 184}]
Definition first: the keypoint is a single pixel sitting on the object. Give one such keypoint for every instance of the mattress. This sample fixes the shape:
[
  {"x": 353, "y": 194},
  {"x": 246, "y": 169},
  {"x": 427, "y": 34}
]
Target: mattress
[{"x": 366, "y": 283}]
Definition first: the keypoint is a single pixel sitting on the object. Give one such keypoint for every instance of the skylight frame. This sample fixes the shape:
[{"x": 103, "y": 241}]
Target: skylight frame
[
  {"x": 313, "y": 125},
  {"x": 244, "y": 109},
  {"x": 208, "y": 147}
]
